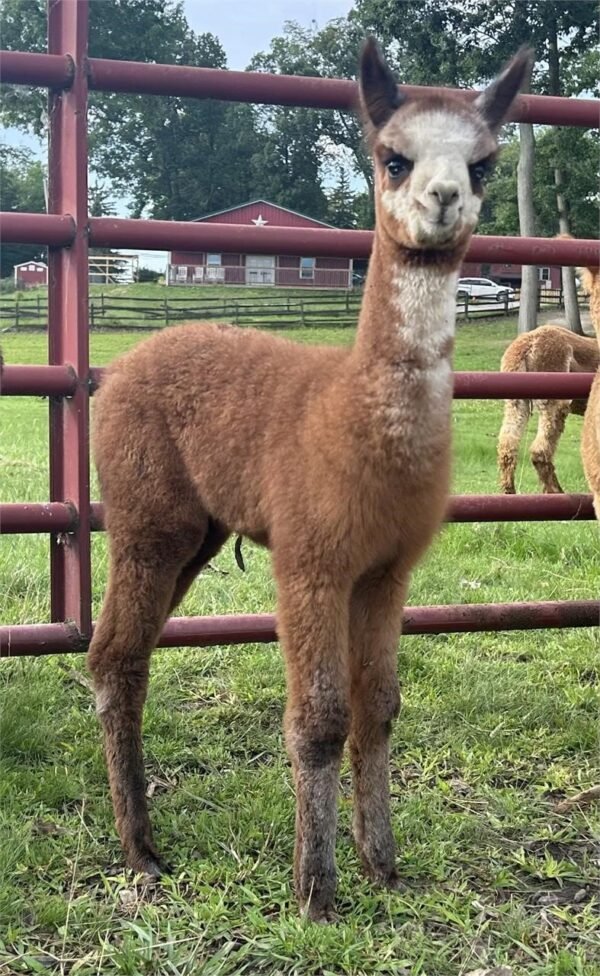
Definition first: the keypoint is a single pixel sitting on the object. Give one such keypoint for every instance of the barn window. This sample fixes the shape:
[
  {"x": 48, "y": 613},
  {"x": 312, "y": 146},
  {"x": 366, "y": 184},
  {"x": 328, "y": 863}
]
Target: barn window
[
  {"x": 214, "y": 260},
  {"x": 307, "y": 267},
  {"x": 544, "y": 274}
]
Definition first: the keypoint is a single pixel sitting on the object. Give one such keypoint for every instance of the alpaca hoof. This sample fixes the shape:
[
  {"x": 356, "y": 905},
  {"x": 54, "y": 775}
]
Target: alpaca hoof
[
  {"x": 149, "y": 865},
  {"x": 319, "y": 914},
  {"x": 387, "y": 879}
]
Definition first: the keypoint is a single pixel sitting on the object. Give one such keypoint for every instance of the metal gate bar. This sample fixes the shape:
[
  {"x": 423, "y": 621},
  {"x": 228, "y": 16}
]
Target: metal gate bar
[
  {"x": 70, "y": 564},
  {"x": 43, "y": 639},
  {"x": 69, "y": 380},
  {"x": 31, "y": 517},
  {"x": 24, "y": 228},
  {"x": 251, "y": 86}
]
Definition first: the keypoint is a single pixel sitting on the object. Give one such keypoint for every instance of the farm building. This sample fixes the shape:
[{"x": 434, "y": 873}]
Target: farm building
[
  {"x": 510, "y": 274},
  {"x": 28, "y": 274},
  {"x": 198, "y": 268}
]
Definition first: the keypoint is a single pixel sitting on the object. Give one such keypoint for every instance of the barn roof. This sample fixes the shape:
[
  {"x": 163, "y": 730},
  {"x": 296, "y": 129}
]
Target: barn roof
[
  {"x": 267, "y": 203},
  {"x": 38, "y": 264}
]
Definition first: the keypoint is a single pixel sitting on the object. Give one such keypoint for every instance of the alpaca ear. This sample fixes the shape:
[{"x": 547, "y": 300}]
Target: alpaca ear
[
  {"x": 379, "y": 93},
  {"x": 495, "y": 101}
]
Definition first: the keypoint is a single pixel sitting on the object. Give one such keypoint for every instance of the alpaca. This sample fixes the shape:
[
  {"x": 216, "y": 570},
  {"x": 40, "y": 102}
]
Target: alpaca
[
  {"x": 551, "y": 348},
  {"x": 590, "y": 435},
  {"x": 336, "y": 459}
]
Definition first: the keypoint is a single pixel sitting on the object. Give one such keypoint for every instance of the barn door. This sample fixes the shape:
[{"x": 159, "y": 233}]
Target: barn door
[{"x": 260, "y": 269}]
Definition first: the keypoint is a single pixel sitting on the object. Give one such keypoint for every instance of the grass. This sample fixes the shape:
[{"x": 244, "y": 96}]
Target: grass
[{"x": 495, "y": 727}]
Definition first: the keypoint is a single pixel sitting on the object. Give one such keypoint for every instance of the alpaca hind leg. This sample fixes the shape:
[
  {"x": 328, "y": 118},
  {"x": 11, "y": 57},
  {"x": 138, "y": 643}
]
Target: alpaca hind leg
[
  {"x": 375, "y": 623},
  {"x": 516, "y": 415},
  {"x": 216, "y": 536},
  {"x": 552, "y": 416},
  {"x": 143, "y": 575},
  {"x": 312, "y": 622}
]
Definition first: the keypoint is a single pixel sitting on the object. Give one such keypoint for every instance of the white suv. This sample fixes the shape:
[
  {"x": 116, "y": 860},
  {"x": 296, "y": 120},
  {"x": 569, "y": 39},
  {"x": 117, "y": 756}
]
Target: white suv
[{"x": 483, "y": 288}]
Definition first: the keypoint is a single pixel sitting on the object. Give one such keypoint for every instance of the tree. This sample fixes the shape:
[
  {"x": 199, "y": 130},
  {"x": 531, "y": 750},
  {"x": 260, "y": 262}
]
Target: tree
[
  {"x": 341, "y": 203},
  {"x": 22, "y": 182},
  {"x": 465, "y": 41},
  {"x": 331, "y": 52},
  {"x": 175, "y": 158}
]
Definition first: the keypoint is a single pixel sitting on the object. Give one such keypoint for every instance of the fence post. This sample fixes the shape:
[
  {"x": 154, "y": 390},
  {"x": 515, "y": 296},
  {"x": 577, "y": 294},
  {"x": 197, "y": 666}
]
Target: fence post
[
  {"x": 466, "y": 306},
  {"x": 166, "y": 312},
  {"x": 506, "y": 304},
  {"x": 68, "y": 334}
]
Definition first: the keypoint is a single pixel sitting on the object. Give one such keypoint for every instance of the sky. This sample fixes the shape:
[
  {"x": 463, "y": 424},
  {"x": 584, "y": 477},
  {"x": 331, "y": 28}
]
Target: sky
[{"x": 244, "y": 28}]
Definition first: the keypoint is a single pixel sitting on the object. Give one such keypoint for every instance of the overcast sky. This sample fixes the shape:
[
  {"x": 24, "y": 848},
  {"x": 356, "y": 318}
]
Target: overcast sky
[{"x": 244, "y": 27}]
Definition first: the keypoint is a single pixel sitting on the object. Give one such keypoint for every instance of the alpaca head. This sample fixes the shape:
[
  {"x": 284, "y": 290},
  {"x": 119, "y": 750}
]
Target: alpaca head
[{"x": 432, "y": 153}]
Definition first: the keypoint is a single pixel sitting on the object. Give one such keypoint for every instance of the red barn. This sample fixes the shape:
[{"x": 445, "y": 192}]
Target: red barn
[
  {"x": 31, "y": 273},
  {"x": 311, "y": 271}
]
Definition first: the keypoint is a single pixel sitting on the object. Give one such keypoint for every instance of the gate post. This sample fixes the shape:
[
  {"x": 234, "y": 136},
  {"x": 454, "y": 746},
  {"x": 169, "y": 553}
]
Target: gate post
[{"x": 68, "y": 341}]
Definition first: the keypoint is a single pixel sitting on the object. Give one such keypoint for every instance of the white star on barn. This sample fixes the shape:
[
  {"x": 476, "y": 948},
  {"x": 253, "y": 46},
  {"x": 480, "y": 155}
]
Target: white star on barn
[{"x": 259, "y": 221}]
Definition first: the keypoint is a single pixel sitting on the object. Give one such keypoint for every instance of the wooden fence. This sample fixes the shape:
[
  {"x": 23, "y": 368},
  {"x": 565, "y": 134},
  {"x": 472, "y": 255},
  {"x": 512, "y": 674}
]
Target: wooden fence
[{"x": 286, "y": 311}]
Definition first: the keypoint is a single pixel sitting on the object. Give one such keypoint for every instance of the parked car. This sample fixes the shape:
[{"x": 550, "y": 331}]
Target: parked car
[{"x": 483, "y": 288}]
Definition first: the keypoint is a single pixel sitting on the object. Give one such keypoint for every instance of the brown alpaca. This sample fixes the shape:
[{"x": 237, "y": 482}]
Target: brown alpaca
[
  {"x": 336, "y": 459},
  {"x": 590, "y": 437},
  {"x": 550, "y": 348}
]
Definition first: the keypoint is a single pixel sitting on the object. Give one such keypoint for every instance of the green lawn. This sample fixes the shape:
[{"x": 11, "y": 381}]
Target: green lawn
[{"x": 494, "y": 728}]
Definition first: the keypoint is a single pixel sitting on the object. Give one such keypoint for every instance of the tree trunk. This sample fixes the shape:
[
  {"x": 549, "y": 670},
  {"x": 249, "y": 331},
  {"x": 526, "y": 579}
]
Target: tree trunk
[
  {"x": 568, "y": 274},
  {"x": 529, "y": 273},
  {"x": 569, "y": 285}
]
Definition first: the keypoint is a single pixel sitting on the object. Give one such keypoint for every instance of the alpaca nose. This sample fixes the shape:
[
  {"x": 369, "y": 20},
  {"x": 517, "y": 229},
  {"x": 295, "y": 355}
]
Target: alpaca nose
[{"x": 445, "y": 191}]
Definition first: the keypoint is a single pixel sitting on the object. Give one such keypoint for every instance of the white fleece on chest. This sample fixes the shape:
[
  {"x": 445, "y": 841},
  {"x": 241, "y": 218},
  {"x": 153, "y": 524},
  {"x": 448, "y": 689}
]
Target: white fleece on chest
[{"x": 416, "y": 395}]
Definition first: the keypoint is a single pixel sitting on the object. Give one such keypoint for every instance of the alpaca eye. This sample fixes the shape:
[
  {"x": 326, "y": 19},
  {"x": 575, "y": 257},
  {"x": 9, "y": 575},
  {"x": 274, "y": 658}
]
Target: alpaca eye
[
  {"x": 399, "y": 166},
  {"x": 480, "y": 171}
]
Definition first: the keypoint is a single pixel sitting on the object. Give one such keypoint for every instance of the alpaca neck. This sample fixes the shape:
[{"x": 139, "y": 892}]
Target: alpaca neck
[
  {"x": 402, "y": 362},
  {"x": 408, "y": 312}
]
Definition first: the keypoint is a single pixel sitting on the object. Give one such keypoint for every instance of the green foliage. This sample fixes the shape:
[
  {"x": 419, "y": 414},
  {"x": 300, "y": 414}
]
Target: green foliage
[
  {"x": 574, "y": 151},
  {"x": 341, "y": 203},
  {"x": 147, "y": 275},
  {"x": 21, "y": 190}
]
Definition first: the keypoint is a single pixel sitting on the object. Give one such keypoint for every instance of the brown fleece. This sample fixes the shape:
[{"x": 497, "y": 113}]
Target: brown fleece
[
  {"x": 336, "y": 459},
  {"x": 550, "y": 348},
  {"x": 590, "y": 437}
]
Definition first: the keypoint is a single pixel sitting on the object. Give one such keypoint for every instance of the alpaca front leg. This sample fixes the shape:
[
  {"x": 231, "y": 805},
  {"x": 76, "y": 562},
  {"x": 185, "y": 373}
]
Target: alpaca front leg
[
  {"x": 312, "y": 623},
  {"x": 375, "y": 624}
]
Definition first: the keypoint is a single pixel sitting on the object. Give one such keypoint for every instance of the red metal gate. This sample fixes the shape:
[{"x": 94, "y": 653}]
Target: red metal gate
[{"x": 68, "y": 381}]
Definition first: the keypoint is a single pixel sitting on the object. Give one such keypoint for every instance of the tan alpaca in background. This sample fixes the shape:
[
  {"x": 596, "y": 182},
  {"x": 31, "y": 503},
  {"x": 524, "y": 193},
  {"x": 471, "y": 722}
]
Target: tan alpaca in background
[
  {"x": 337, "y": 459},
  {"x": 550, "y": 348},
  {"x": 590, "y": 438}
]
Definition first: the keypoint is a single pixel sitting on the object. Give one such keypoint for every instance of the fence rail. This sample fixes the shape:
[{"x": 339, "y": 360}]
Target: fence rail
[
  {"x": 69, "y": 381},
  {"x": 285, "y": 311}
]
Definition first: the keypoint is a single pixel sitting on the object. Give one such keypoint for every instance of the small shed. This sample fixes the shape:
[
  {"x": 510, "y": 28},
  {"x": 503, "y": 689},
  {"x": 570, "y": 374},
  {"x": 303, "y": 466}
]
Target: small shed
[
  {"x": 28, "y": 274},
  {"x": 309, "y": 271}
]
